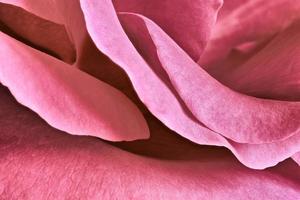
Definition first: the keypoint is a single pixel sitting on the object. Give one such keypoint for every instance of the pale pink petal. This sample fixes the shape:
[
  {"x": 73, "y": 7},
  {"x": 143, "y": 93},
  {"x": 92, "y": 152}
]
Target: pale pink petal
[
  {"x": 188, "y": 22},
  {"x": 252, "y": 21},
  {"x": 66, "y": 98},
  {"x": 57, "y": 165}
]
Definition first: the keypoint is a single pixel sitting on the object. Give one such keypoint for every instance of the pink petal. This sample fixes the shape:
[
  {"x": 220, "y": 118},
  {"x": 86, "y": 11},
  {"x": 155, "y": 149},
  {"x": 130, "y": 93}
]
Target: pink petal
[
  {"x": 188, "y": 22},
  {"x": 296, "y": 158},
  {"x": 46, "y": 9},
  {"x": 252, "y": 21},
  {"x": 57, "y": 165},
  {"x": 253, "y": 155},
  {"x": 74, "y": 23},
  {"x": 165, "y": 105},
  {"x": 37, "y": 32},
  {"x": 66, "y": 98},
  {"x": 241, "y": 118},
  {"x": 274, "y": 72}
]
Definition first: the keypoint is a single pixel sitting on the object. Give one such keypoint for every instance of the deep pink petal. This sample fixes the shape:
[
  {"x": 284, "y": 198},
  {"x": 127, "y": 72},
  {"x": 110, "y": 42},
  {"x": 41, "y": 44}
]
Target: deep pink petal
[
  {"x": 57, "y": 165},
  {"x": 188, "y": 22},
  {"x": 66, "y": 98}
]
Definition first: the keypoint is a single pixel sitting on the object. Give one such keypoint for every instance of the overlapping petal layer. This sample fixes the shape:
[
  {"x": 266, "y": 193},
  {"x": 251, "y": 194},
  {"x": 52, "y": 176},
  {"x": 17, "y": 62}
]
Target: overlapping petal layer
[
  {"x": 274, "y": 72},
  {"x": 262, "y": 132},
  {"x": 189, "y": 22},
  {"x": 67, "y": 98},
  {"x": 37, "y": 32},
  {"x": 46, "y": 9},
  {"x": 254, "y": 20},
  {"x": 236, "y": 116},
  {"x": 47, "y": 163},
  {"x": 149, "y": 82}
]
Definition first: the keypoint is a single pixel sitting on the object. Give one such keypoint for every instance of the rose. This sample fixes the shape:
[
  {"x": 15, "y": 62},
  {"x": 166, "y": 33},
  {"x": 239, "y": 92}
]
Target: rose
[{"x": 74, "y": 102}]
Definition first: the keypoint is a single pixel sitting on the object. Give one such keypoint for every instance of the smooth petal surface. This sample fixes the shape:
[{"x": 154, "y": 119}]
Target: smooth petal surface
[
  {"x": 66, "y": 98},
  {"x": 60, "y": 166},
  {"x": 188, "y": 22}
]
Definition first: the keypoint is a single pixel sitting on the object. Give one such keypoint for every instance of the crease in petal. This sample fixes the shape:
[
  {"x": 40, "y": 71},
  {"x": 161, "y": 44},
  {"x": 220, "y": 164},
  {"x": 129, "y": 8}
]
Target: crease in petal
[{"x": 67, "y": 98}]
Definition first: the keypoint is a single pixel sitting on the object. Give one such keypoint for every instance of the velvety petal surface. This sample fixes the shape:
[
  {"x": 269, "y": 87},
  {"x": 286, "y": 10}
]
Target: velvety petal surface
[
  {"x": 61, "y": 166},
  {"x": 67, "y": 98}
]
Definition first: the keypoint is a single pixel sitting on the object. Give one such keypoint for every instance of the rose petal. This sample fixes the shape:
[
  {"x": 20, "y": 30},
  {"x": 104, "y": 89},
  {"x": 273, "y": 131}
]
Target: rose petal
[
  {"x": 253, "y": 21},
  {"x": 274, "y": 71},
  {"x": 296, "y": 158},
  {"x": 66, "y": 98},
  {"x": 189, "y": 23},
  {"x": 46, "y": 9},
  {"x": 238, "y": 117},
  {"x": 112, "y": 40},
  {"x": 41, "y": 34},
  {"x": 45, "y": 163},
  {"x": 252, "y": 155}
]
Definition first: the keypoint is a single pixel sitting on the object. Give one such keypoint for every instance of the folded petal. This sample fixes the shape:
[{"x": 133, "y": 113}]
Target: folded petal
[
  {"x": 66, "y": 98},
  {"x": 189, "y": 23},
  {"x": 40, "y": 162}
]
